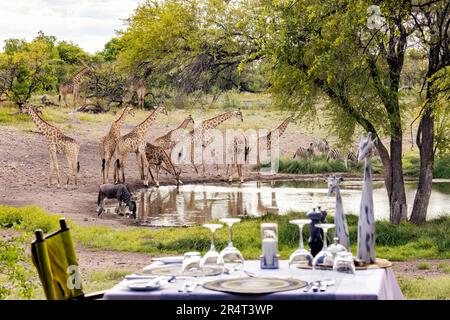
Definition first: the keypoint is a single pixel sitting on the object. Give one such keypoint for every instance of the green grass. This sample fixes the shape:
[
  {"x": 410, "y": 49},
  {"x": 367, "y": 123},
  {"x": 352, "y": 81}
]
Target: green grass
[
  {"x": 429, "y": 288},
  {"x": 404, "y": 242},
  {"x": 309, "y": 166},
  {"x": 444, "y": 267},
  {"x": 423, "y": 266}
]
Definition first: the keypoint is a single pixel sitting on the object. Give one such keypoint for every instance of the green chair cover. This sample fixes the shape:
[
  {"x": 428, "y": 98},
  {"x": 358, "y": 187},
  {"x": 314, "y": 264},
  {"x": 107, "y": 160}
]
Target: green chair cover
[{"x": 55, "y": 259}]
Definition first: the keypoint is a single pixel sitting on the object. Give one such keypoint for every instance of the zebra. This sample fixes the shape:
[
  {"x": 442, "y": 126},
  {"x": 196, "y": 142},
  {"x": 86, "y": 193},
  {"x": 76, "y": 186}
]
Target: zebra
[
  {"x": 321, "y": 145},
  {"x": 334, "y": 154},
  {"x": 352, "y": 157},
  {"x": 304, "y": 153}
]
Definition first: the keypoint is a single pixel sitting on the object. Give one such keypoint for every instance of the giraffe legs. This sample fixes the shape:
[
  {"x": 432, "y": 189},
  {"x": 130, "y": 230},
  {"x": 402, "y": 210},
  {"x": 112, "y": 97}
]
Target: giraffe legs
[
  {"x": 106, "y": 169},
  {"x": 54, "y": 168},
  {"x": 144, "y": 166},
  {"x": 239, "y": 169}
]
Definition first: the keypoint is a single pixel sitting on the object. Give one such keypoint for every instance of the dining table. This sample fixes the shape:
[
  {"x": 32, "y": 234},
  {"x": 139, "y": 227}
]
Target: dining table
[{"x": 368, "y": 284}]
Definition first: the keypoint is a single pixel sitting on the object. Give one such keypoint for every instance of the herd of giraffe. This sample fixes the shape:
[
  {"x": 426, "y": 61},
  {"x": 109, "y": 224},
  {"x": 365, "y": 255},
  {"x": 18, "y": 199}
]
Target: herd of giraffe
[
  {"x": 115, "y": 148},
  {"x": 156, "y": 155}
]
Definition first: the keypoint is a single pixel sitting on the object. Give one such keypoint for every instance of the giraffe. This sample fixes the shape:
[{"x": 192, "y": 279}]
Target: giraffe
[
  {"x": 201, "y": 136},
  {"x": 171, "y": 138},
  {"x": 72, "y": 86},
  {"x": 341, "y": 227},
  {"x": 156, "y": 156},
  {"x": 134, "y": 142},
  {"x": 267, "y": 139},
  {"x": 140, "y": 92},
  {"x": 366, "y": 220},
  {"x": 239, "y": 150},
  {"x": 108, "y": 143},
  {"x": 57, "y": 142}
]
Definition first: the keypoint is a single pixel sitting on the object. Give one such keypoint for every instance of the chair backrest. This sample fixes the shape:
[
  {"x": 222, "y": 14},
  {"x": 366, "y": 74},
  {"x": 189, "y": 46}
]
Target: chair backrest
[{"x": 55, "y": 259}]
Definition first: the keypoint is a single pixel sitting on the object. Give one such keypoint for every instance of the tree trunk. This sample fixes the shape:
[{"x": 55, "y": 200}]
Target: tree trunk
[
  {"x": 393, "y": 180},
  {"x": 397, "y": 197},
  {"x": 425, "y": 141},
  {"x": 425, "y": 144}
]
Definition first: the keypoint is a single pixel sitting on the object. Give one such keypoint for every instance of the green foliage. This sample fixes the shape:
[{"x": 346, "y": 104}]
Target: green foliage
[
  {"x": 71, "y": 53},
  {"x": 15, "y": 277},
  {"x": 441, "y": 168},
  {"x": 316, "y": 164},
  {"x": 423, "y": 266},
  {"x": 28, "y": 67},
  {"x": 112, "y": 49}
]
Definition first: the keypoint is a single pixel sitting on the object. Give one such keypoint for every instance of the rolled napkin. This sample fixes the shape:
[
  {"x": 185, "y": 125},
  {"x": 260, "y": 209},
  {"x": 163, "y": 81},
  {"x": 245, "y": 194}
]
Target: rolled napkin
[{"x": 269, "y": 250}]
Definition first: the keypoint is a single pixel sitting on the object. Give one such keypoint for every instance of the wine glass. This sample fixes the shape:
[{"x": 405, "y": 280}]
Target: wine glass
[
  {"x": 300, "y": 257},
  {"x": 324, "y": 258},
  {"x": 343, "y": 262},
  {"x": 231, "y": 256},
  {"x": 212, "y": 263}
]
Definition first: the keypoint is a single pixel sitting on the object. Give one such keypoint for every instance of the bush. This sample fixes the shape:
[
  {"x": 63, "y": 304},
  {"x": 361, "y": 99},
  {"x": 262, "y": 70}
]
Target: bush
[
  {"x": 309, "y": 166},
  {"x": 16, "y": 279}
]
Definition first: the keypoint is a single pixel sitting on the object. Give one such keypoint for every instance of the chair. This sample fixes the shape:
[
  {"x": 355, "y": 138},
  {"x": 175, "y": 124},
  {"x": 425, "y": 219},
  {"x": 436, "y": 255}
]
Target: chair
[{"x": 55, "y": 259}]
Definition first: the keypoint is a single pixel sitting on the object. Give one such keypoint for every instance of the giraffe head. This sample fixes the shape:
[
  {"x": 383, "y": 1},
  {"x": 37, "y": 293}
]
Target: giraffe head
[
  {"x": 130, "y": 110},
  {"x": 291, "y": 119},
  {"x": 366, "y": 146},
  {"x": 161, "y": 108},
  {"x": 238, "y": 114},
  {"x": 28, "y": 108},
  {"x": 333, "y": 184},
  {"x": 189, "y": 120}
]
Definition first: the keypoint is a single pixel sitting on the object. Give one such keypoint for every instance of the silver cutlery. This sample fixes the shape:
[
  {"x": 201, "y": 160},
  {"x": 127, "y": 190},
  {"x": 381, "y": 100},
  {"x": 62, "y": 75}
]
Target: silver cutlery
[{"x": 184, "y": 286}]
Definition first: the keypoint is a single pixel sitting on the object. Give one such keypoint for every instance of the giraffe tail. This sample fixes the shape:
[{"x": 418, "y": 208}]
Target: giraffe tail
[
  {"x": 117, "y": 164},
  {"x": 59, "y": 98},
  {"x": 103, "y": 165},
  {"x": 78, "y": 166}
]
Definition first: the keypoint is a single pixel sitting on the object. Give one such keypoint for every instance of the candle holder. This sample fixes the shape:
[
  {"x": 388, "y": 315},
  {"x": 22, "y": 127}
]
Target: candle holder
[{"x": 269, "y": 242}]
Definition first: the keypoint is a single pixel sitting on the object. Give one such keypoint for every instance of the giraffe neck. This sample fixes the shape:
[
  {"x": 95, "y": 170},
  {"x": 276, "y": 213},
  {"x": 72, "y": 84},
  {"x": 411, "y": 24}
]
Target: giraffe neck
[
  {"x": 282, "y": 127},
  {"x": 121, "y": 120},
  {"x": 169, "y": 164},
  {"x": 40, "y": 123},
  {"x": 214, "y": 122},
  {"x": 338, "y": 199},
  {"x": 184, "y": 124},
  {"x": 143, "y": 127},
  {"x": 367, "y": 192},
  {"x": 77, "y": 77}
]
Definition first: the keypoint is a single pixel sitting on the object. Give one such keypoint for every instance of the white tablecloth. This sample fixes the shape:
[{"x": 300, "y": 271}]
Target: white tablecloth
[{"x": 373, "y": 284}]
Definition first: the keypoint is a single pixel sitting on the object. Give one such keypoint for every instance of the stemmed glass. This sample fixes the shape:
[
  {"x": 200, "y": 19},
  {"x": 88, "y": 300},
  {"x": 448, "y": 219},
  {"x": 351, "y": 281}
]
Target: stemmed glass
[
  {"x": 212, "y": 263},
  {"x": 300, "y": 257},
  {"x": 324, "y": 257},
  {"x": 231, "y": 256}
]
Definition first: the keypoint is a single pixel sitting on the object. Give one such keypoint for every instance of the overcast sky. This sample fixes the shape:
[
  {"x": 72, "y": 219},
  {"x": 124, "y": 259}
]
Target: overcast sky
[{"x": 88, "y": 23}]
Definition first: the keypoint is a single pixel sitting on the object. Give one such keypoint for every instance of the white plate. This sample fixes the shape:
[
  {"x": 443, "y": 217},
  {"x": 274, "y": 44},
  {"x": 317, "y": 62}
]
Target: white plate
[
  {"x": 145, "y": 285},
  {"x": 168, "y": 260}
]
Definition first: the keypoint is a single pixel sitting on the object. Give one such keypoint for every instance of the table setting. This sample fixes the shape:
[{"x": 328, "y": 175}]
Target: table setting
[{"x": 332, "y": 273}]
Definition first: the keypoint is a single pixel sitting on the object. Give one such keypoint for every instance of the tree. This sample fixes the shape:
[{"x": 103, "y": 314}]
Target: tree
[
  {"x": 71, "y": 53},
  {"x": 432, "y": 19},
  {"x": 191, "y": 46},
  {"x": 27, "y": 68},
  {"x": 326, "y": 47}
]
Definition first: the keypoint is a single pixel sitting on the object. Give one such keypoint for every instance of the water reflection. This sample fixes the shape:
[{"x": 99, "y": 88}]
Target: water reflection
[{"x": 196, "y": 204}]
